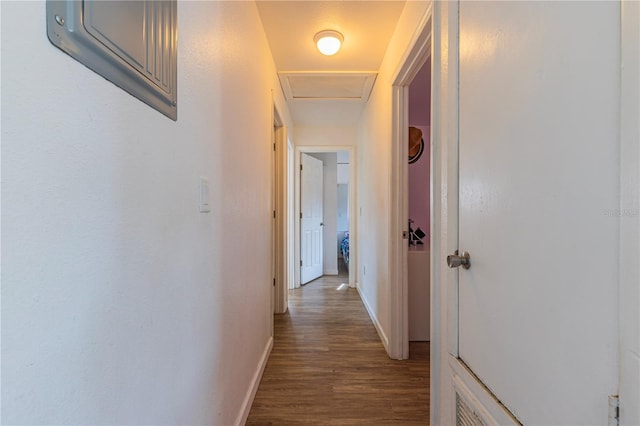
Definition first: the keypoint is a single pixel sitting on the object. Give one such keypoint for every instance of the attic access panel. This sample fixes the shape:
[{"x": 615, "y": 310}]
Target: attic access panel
[
  {"x": 333, "y": 85},
  {"x": 133, "y": 44}
]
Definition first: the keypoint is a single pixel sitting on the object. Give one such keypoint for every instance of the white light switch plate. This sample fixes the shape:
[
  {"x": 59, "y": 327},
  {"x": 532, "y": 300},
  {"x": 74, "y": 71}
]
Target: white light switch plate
[{"x": 205, "y": 205}]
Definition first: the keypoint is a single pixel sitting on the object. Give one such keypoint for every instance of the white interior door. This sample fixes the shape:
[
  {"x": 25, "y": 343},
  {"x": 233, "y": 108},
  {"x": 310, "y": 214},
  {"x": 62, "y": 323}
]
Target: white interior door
[
  {"x": 538, "y": 172},
  {"x": 311, "y": 193}
]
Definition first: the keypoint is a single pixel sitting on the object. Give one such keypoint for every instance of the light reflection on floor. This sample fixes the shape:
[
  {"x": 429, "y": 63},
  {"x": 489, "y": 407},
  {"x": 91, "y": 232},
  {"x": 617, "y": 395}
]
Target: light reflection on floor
[{"x": 342, "y": 287}]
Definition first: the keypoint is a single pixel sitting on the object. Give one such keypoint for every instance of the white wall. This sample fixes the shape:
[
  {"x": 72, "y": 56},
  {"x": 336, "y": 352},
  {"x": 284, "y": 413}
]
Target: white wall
[
  {"x": 329, "y": 211},
  {"x": 343, "y": 167},
  {"x": 374, "y": 171},
  {"x": 332, "y": 136},
  {"x": 343, "y": 207},
  {"x": 121, "y": 303}
]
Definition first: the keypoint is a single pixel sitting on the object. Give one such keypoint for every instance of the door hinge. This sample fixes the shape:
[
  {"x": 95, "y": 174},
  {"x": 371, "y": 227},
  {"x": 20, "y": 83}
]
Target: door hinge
[
  {"x": 300, "y": 166},
  {"x": 300, "y": 215},
  {"x": 274, "y": 214},
  {"x": 274, "y": 146},
  {"x": 274, "y": 282},
  {"x": 614, "y": 410},
  {"x": 300, "y": 262}
]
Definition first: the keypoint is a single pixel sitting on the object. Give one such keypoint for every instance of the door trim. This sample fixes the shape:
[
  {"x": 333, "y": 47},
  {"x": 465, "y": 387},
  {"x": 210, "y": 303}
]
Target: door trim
[
  {"x": 443, "y": 18},
  {"x": 444, "y": 231},
  {"x": 628, "y": 214},
  {"x": 280, "y": 229},
  {"x": 353, "y": 246}
]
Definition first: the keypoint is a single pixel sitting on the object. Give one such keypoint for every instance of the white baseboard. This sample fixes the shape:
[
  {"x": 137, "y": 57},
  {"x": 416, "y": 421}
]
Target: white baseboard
[
  {"x": 255, "y": 383},
  {"x": 374, "y": 319}
]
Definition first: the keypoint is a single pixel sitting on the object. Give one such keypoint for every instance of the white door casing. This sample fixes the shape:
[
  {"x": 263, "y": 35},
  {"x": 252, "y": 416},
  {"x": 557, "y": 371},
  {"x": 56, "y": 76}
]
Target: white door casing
[
  {"x": 311, "y": 226},
  {"x": 281, "y": 269},
  {"x": 629, "y": 216},
  {"x": 538, "y": 126}
]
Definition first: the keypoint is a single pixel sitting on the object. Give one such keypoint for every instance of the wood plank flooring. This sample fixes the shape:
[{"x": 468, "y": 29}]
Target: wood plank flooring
[{"x": 328, "y": 367}]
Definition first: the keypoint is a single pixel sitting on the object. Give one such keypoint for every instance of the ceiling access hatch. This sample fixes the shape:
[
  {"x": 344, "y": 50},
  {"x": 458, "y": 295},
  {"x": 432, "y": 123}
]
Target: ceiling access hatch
[{"x": 348, "y": 86}]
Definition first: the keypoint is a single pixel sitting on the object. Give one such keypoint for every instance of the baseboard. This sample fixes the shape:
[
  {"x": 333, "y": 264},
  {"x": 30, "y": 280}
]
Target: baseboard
[
  {"x": 255, "y": 383},
  {"x": 374, "y": 319}
]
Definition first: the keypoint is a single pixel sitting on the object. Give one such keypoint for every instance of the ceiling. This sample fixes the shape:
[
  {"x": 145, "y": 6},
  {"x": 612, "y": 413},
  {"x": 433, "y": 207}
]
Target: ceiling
[{"x": 328, "y": 90}]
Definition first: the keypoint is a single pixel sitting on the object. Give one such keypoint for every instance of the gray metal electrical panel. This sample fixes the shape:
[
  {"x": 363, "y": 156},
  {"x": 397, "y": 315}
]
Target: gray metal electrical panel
[{"x": 133, "y": 44}]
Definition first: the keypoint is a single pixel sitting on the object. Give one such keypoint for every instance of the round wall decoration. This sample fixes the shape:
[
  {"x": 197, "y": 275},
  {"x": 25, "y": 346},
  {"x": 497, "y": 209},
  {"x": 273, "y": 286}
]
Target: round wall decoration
[{"x": 416, "y": 144}]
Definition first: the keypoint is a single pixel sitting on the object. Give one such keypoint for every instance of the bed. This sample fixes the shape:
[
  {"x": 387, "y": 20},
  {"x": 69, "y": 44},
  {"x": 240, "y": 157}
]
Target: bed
[{"x": 344, "y": 247}]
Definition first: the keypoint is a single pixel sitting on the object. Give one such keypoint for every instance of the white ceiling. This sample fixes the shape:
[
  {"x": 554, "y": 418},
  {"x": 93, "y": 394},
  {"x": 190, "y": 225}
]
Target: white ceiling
[{"x": 290, "y": 26}]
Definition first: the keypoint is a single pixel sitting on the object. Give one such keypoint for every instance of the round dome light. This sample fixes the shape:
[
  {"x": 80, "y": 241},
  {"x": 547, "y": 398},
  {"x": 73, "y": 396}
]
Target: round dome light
[{"x": 328, "y": 42}]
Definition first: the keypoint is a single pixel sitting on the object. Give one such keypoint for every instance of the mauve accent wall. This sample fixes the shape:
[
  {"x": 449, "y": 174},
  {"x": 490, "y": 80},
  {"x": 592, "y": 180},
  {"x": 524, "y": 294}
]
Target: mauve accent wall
[{"x": 419, "y": 172}]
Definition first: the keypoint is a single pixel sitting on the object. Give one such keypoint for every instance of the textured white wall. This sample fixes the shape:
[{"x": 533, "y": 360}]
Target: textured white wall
[
  {"x": 333, "y": 136},
  {"x": 343, "y": 208},
  {"x": 373, "y": 172},
  {"x": 121, "y": 303}
]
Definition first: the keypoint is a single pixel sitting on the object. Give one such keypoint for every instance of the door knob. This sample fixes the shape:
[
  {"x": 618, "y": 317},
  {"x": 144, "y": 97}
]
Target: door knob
[{"x": 454, "y": 260}]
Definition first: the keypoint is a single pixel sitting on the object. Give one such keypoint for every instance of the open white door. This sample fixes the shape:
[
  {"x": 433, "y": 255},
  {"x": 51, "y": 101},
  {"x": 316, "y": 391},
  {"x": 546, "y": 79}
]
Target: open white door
[
  {"x": 311, "y": 193},
  {"x": 538, "y": 129}
]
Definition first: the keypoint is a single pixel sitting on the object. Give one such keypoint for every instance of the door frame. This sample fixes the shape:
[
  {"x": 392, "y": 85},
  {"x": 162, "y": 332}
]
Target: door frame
[
  {"x": 628, "y": 214},
  {"x": 280, "y": 269},
  {"x": 291, "y": 218},
  {"x": 295, "y": 254},
  {"x": 441, "y": 22}
]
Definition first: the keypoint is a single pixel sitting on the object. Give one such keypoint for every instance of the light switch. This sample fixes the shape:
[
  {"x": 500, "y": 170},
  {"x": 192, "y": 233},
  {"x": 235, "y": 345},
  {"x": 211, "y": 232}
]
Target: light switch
[{"x": 205, "y": 206}]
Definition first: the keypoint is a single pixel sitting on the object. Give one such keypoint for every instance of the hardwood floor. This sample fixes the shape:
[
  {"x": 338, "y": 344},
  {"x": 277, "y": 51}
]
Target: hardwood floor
[{"x": 328, "y": 367}]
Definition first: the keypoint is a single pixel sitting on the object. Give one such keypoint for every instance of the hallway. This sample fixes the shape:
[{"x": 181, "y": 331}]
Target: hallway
[{"x": 328, "y": 366}]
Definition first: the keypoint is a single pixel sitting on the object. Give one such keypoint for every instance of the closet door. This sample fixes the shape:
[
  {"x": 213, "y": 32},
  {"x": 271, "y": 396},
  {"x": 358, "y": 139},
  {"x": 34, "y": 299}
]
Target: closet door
[{"x": 539, "y": 170}]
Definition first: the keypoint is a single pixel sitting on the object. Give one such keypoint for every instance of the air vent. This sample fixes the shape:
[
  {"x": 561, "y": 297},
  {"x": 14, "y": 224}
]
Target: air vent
[
  {"x": 476, "y": 405},
  {"x": 353, "y": 86},
  {"x": 465, "y": 415}
]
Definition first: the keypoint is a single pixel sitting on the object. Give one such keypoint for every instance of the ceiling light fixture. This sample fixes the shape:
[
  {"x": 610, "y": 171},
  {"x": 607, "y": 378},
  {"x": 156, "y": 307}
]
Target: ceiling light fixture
[{"x": 328, "y": 42}]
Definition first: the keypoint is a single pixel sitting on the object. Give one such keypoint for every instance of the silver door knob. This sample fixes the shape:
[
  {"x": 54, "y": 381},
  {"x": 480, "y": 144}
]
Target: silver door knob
[{"x": 454, "y": 260}]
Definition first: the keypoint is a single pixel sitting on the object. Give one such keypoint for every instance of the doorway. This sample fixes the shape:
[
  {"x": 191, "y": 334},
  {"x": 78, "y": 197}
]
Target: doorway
[
  {"x": 419, "y": 205},
  {"x": 416, "y": 57},
  {"x": 338, "y": 225}
]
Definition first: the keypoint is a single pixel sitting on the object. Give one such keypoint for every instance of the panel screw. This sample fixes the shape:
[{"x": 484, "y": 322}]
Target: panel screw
[{"x": 59, "y": 20}]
